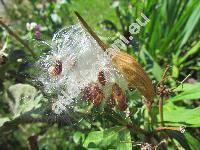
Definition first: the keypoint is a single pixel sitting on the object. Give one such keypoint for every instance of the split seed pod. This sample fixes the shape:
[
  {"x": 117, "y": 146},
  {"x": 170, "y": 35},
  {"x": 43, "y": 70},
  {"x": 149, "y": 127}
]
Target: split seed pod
[{"x": 128, "y": 66}]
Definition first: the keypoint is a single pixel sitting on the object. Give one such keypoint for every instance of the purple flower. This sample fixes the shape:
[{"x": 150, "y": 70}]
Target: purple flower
[
  {"x": 37, "y": 34},
  {"x": 37, "y": 28},
  {"x": 37, "y": 31}
]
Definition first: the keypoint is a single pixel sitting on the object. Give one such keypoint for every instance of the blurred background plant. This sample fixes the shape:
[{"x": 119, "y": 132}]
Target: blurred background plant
[{"x": 170, "y": 38}]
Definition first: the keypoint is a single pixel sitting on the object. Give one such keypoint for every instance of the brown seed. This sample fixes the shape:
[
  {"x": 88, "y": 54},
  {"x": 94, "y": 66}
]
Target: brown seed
[
  {"x": 119, "y": 96},
  {"x": 56, "y": 68},
  {"x": 93, "y": 93},
  {"x": 101, "y": 78}
]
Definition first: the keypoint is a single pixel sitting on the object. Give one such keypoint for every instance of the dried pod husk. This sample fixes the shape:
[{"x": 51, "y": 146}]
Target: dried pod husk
[
  {"x": 56, "y": 68},
  {"x": 93, "y": 94},
  {"x": 119, "y": 96},
  {"x": 128, "y": 66},
  {"x": 101, "y": 78},
  {"x": 135, "y": 75}
]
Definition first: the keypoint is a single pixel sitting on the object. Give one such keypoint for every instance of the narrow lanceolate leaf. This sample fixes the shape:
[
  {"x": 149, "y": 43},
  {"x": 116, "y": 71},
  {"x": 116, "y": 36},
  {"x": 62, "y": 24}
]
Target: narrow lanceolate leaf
[
  {"x": 180, "y": 138},
  {"x": 192, "y": 141},
  {"x": 189, "y": 92},
  {"x": 176, "y": 115},
  {"x": 128, "y": 66},
  {"x": 191, "y": 24},
  {"x": 192, "y": 51}
]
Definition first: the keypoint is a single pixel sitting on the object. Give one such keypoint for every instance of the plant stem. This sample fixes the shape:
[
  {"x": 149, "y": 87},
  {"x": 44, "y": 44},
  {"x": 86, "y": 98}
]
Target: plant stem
[
  {"x": 17, "y": 38},
  {"x": 27, "y": 117},
  {"x": 33, "y": 139},
  {"x": 161, "y": 111},
  {"x": 136, "y": 128},
  {"x": 167, "y": 128}
]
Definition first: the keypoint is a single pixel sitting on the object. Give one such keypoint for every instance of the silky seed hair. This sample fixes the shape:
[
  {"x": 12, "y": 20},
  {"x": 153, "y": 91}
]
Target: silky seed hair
[{"x": 74, "y": 62}]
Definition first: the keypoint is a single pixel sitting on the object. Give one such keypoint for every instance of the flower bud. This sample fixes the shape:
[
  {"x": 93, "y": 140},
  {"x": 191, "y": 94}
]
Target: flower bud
[{"x": 37, "y": 34}]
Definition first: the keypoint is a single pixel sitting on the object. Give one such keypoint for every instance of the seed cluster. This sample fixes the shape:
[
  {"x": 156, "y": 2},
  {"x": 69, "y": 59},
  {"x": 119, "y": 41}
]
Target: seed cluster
[
  {"x": 146, "y": 146},
  {"x": 163, "y": 90},
  {"x": 94, "y": 93}
]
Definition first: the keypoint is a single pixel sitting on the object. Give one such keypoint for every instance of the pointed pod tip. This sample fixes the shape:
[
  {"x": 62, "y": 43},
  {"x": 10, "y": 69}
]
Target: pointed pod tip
[
  {"x": 79, "y": 17},
  {"x": 76, "y": 13},
  {"x": 91, "y": 32}
]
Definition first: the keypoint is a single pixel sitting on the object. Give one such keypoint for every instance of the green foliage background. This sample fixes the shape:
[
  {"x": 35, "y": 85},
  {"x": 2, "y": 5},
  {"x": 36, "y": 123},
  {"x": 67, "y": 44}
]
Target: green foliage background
[{"x": 171, "y": 37}]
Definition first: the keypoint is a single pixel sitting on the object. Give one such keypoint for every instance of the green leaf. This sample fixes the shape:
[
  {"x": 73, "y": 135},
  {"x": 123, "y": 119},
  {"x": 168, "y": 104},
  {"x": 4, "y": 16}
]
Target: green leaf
[
  {"x": 93, "y": 137},
  {"x": 192, "y": 51},
  {"x": 193, "y": 142},
  {"x": 180, "y": 138},
  {"x": 188, "y": 86},
  {"x": 157, "y": 71},
  {"x": 176, "y": 116},
  {"x": 191, "y": 23},
  {"x": 175, "y": 71},
  {"x": 178, "y": 24},
  {"x": 190, "y": 92},
  {"x": 78, "y": 137},
  {"x": 124, "y": 140},
  {"x": 20, "y": 91},
  {"x": 23, "y": 98},
  {"x": 110, "y": 136},
  {"x": 2, "y": 120}
]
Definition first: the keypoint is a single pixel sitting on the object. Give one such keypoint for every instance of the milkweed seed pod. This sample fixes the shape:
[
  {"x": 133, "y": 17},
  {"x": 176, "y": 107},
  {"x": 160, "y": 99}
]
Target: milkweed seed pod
[
  {"x": 119, "y": 96},
  {"x": 93, "y": 93},
  {"x": 128, "y": 66}
]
